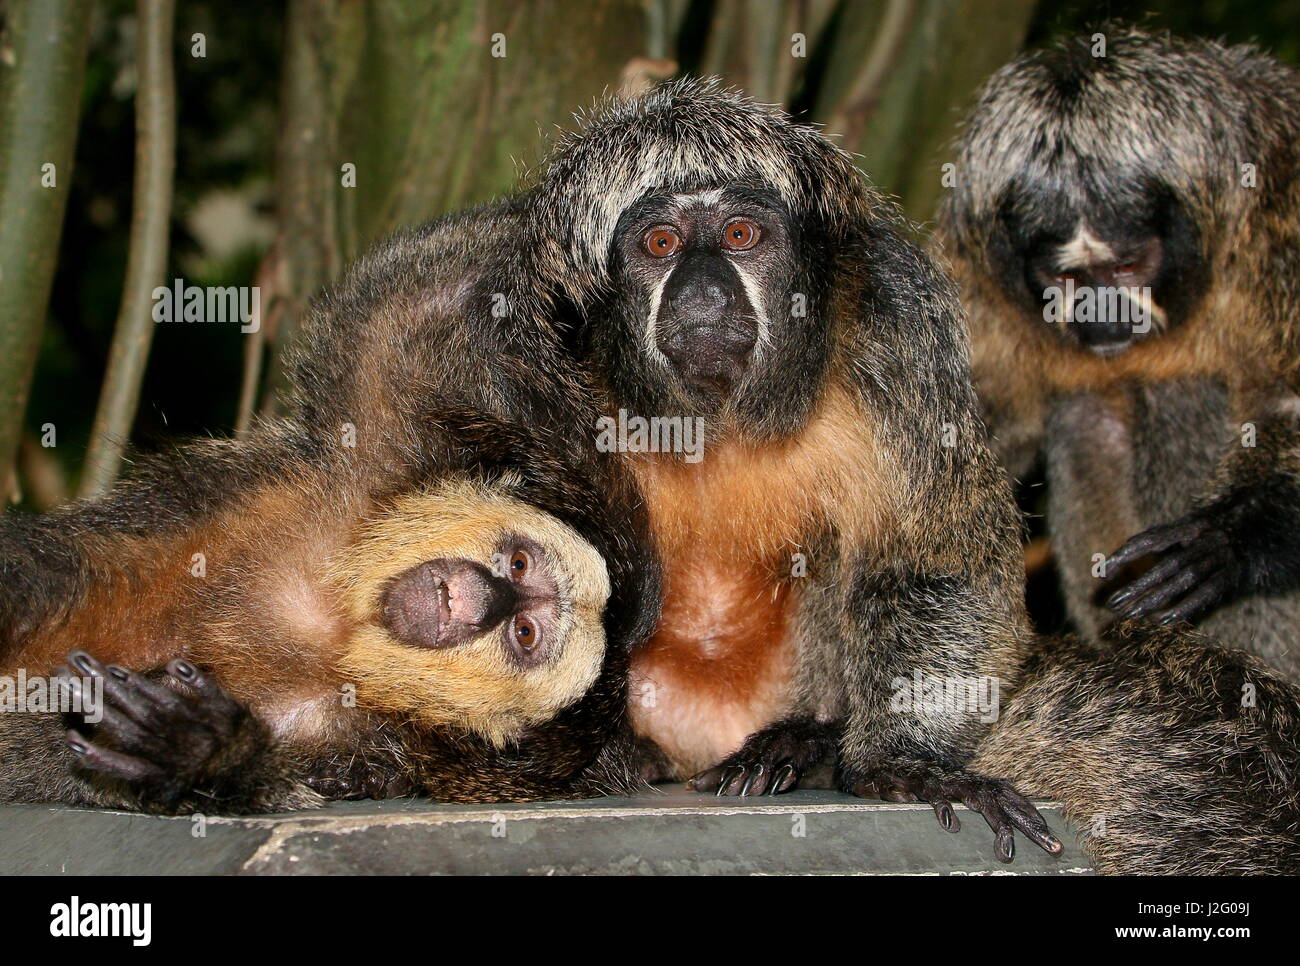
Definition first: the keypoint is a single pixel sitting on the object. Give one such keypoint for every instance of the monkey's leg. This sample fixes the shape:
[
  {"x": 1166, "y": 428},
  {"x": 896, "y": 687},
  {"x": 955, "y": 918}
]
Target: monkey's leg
[
  {"x": 1245, "y": 542},
  {"x": 942, "y": 631},
  {"x": 181, "y": 754},
  {"x": 772, "y": 760}
]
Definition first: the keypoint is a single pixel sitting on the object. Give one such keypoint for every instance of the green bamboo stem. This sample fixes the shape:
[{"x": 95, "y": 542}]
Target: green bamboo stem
[
  {"x": 40, "y": 102},
  {"x": 155, "y": 159}
]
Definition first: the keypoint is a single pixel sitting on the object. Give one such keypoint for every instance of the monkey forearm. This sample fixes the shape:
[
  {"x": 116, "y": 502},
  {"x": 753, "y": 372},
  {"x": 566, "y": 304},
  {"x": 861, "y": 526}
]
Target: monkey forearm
[
  {"x": 1262, "y": 523},
  {"x": 917, "y": 670},
  {"x": 47, "y": 561},
  {"x": 1260, "y": 502},
  {"x": 37, "y": 765}
]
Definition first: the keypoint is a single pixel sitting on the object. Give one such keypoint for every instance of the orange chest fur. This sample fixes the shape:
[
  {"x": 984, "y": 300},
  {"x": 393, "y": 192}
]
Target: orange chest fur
[
  {"x": 727, "y": 556},
  {"x": 720, "y": 661},
  {"x": 728, "y": 530}
]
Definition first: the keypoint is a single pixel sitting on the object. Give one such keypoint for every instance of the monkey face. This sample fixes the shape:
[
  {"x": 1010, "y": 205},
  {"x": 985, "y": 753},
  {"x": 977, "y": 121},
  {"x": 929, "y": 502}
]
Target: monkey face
[
  {"x": 472, "y": 610},
  {"x": 1105, "y": 274},
  {"x": 447, "y": 602},
  {"x": 702, "y": 272}
]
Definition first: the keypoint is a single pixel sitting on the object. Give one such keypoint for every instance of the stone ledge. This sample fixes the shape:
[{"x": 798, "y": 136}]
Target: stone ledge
[{"x": 672, "y": 831}]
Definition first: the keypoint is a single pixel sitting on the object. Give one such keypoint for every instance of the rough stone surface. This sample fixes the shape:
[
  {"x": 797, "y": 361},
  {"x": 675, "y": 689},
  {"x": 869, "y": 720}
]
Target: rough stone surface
[{"x": 673, "y": 831}]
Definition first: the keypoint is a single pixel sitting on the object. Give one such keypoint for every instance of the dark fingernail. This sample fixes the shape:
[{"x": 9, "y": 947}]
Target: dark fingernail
[
  {"x": 185, "y": 669},
  {"x": 118, "y": 672},
  {"x": 946, "y": 815},
  {"x": 749, "y": 779},
  {"x": 1006, "y": 847},
  {"x": 783, "y": 774},
  {"x": 81, "y": 661},
  {"x": 78, "y": 746},
  {"x": 724, "y": 781}
]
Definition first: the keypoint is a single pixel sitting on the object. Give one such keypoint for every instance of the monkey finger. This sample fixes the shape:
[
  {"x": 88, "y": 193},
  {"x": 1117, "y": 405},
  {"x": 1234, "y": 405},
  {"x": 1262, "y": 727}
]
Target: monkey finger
[
  {"x": 943, "y": 811},
  {"x": 75, "y": 691},
  {"x": 707, "y": 780},
  {"x": 1185, "y": 576},
  {"x": 1025, "y": 817},
  {"x": 213, "y": 705},
  {"x": 864, "y": 788},
  {"x": 144, "y": 699},
  {"x": 1155, "y": 540},
  {"x": 118, "y": 687},
  {"x": 1004, "y": 840},
  {"x": 122, "y": 729},
  {"x": 1195, "y": 604},
  {"x": 213, "y": 694},
  {"x": 80, "y": 665},
  {"x": 113, "y": 763},
  {"x": 86, "y": 664},
  {"x": 755, "y": 781},
  {"x": 1159, "y": 574},
  {"x": 896, "y": 793},
  {"x": 783, "y": 779},
  {"x": 729, "y": 783}
]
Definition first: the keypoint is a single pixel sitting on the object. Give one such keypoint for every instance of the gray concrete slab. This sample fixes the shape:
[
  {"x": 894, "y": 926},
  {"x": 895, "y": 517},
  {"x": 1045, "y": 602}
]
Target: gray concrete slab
[{"x": 672, "y": 831}]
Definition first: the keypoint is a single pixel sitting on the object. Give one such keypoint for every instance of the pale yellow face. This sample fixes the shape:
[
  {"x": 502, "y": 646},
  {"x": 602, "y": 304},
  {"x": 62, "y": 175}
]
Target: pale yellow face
[{"x": 478, "y": 685}]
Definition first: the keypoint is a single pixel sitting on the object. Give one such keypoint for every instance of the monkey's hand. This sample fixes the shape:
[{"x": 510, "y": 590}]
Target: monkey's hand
[
  {"x": 175, "y": 753},
  {"x": 772, "y": 760},
  {"x": 1199, "y": 567},
  {"x": 1002, "y": 806}
]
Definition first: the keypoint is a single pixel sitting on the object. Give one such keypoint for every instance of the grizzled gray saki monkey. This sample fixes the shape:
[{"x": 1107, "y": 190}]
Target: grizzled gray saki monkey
[
  {"x": 1165, "y": 172},
  {"x": 725, "y": 264}
]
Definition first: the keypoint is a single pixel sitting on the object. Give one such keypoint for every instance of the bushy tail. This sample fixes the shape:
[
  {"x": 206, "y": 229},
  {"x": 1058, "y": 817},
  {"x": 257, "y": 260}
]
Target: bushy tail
[{"x": 1172, "y": 755}]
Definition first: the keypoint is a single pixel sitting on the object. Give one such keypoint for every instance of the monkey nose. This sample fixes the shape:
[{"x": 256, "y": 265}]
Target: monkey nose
[{"x": 700, "y": 300}]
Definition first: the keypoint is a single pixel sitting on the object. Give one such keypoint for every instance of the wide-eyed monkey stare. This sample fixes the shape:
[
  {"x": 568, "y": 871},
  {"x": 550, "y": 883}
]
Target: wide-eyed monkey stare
[
  {"x": 708, "y": 270},
  {"x": 447, "y": 601},
  {"x": 456, "y": 615}
]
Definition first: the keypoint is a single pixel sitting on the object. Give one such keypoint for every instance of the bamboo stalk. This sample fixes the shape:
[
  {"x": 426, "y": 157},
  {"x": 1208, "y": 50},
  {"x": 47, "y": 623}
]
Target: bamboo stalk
[
  {"x": 306, "y": 253},
  {"x": 155, "y": 159},
  {"x": 41, "y": 71}
]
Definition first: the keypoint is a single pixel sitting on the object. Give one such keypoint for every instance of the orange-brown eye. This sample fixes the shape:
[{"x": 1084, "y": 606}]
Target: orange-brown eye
[
  {"x": 519, "y": 563},
  {"x": 661, "y": 242},
  {"x": 740, "y": 234},
  {"x": 526, "y": 632}
]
